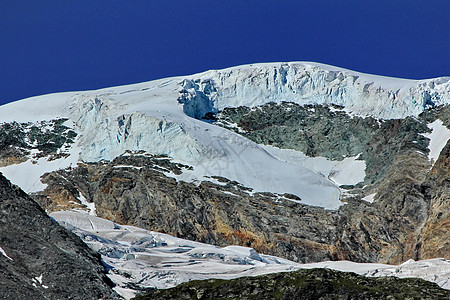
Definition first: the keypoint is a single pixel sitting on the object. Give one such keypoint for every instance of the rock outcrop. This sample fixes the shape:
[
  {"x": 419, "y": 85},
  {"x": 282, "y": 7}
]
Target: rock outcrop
[
  {"x": 329, "y": 131},
  {"x": 39, "y": 259},
  {"x": 435, "y": 234},
  {"x": 40, "y": 139}
]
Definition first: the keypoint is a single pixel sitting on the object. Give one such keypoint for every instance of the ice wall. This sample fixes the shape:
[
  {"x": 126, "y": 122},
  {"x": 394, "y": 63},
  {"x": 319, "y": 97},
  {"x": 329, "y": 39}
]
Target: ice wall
[{"x": 311, "y": 83}]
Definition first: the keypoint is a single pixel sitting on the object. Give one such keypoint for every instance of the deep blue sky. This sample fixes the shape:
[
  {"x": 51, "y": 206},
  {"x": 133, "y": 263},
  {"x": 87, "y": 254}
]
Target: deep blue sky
[{"x": 61, "y": 45}]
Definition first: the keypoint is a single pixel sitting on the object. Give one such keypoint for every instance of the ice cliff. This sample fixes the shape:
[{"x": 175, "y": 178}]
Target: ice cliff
[{"x": 313, "y": 83}]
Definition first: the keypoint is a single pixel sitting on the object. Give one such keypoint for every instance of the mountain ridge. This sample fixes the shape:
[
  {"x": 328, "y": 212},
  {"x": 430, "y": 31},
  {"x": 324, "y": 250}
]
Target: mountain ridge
[
  {"x": 154, "y": 116},
  {"x": 318, "y": 67}
]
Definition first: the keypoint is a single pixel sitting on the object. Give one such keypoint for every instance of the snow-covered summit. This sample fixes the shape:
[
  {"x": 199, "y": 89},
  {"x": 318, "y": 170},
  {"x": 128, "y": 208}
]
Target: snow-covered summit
[
  {"x": 256, "y": 84},
  {"x": 164, "y": 117}
]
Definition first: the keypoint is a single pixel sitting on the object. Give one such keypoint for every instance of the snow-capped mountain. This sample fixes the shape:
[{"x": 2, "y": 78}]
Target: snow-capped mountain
[
  {"x": 165, "y": 117},
  {"x": 300, "y": 160}
]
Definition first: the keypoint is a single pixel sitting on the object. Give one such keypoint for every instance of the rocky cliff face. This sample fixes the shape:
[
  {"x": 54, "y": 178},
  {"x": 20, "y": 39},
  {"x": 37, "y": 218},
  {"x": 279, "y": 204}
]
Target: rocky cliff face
[
  {"x": 434, "y": 237},
  {"x": 40, "y": 259},
  {"x": 135, "y": 190},
  {"x": 304, "y": 284}
]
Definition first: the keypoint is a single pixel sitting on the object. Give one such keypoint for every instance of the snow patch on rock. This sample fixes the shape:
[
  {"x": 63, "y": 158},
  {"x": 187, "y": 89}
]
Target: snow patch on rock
[
  {"x": 369, "y": 198},
  {"x": 439, "y": 137},
  {"x": 4, "y": 254},
  {"x": 348, "y": 171},
  {"x": 27, "y": 175}
]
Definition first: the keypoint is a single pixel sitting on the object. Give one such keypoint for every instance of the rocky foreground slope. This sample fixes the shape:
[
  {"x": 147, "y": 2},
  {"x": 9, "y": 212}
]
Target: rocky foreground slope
[
  {"x": 39, "y": 259},
  {"x": 305, "y": 285}
]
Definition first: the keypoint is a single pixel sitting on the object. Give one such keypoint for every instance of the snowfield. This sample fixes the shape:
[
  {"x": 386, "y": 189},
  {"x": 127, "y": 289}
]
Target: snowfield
[
  {"x": 162, "y": 117},
  {"x": 151, "y": 259},
  {"x": 348, "y": 171}
]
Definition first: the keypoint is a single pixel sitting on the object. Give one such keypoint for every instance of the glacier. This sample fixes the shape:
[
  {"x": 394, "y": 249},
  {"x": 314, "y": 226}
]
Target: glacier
[
  {"x": 165, "y": 117},
  {"x": 151, "y": 259}
]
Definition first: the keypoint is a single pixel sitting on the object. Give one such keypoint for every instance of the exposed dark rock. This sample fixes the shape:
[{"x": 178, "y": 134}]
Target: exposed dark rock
[
  {"x": 311, "y": 284},
  {"x": 46, "y": 137},
  {"x": 45, "y": 261},
  {"x": 328, "y": 131}
]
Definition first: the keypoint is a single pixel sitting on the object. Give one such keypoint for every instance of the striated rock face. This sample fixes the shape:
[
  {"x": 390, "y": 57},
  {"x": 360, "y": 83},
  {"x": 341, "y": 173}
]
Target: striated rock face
[
  {"x": 304, "y": 284},
  {"x": 435, "y": 235},
  {"x": 40, "y": 259}
]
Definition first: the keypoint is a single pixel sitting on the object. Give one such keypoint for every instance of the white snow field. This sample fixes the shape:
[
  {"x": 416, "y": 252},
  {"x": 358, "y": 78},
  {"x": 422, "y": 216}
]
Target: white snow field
[
  {"x": 151, "y": 259},
  {"x": 160, "y": 117},
  {"x": 438, "y": 139},
  {"x": 349, "y": 171}
]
